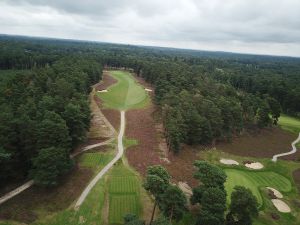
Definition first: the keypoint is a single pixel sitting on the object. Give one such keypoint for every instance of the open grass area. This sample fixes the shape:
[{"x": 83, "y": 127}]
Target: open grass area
[
  {"x": 123, "y": 194},
  {"x": 125, "y": 94},
  {"x": 278, "y": 175},
  {"x": 289, "y": 123},
  {"x": 94, "y": 159},
  {"x": 255, "y": 180}
]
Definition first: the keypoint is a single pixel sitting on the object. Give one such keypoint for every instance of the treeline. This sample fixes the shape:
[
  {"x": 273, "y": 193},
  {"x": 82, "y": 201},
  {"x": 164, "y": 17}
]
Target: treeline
[
  {"x": 44, "y": 114},
  {"x": 204, "y": 97},
  {"x": 210, "y": 195}
]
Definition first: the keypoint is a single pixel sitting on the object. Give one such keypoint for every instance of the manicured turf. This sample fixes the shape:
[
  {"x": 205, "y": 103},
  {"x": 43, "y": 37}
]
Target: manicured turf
[
  {"x": 124, "y": 194},
  {"x": 120, "y": 205},
  {"x": 125, "y": 94},
  {"x": 289, "y": 123},
  {"x": 254, "y": 180}
]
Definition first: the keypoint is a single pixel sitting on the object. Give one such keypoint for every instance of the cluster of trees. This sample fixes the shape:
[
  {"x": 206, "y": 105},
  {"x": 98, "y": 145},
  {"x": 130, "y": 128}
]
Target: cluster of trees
[
  {"x": 44, "y": 114},
  {"x": 204, "y": 97},
  {"x": 197, "y": 109},
  {"x": 168, "y": 197},
  {"x": 210, "y": 195}
]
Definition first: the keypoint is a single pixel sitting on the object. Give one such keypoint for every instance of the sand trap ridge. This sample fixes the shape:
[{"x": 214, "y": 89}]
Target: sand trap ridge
[
  {"x": 275, "y": 192},
  {"x": 281, "y": 206},
  {"x": 103, "y": 91},
  {"x": 229, "y": 162},
  {"x": 255, "y": 165}
]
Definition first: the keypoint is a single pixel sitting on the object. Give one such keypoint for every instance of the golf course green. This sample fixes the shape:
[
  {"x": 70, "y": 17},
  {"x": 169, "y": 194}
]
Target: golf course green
[
  {"x": 125, "y": 94},
  {"x": 254, "y": 180}
]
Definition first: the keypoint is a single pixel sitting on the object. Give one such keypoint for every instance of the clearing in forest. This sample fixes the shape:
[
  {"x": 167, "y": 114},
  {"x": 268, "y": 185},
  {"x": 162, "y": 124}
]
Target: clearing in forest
[{"x": 125, "y": 94}]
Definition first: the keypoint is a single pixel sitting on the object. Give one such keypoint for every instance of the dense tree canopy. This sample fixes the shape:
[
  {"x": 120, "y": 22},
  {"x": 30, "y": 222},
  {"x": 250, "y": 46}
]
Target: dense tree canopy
[{"x": 204, "y": 97}]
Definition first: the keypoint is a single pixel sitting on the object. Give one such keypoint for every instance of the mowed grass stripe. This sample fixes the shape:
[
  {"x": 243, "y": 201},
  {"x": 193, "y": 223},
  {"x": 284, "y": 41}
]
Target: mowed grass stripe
[
  {"x": 127, "y": 184},
  {"x": 234, "y": 177},
  {"x": 120, "y": 205},
  {"x": 254, "y": 180}
]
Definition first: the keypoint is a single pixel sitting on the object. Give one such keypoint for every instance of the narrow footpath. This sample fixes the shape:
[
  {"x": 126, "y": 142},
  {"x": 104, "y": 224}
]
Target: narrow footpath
[
  {"x": 294, "y": 150},
  {"x": 108, "y": 166}
]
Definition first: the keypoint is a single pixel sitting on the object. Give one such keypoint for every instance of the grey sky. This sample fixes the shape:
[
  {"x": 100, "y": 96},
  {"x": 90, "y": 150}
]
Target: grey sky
[{"x": 253, "y": 26}]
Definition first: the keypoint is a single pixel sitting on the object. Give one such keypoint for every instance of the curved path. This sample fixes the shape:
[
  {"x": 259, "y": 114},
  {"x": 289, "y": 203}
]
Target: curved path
[
  {"x": 29, "y": 183},
  {"x": 294, "y": 150},
  {"x": 108, "y": 166}
]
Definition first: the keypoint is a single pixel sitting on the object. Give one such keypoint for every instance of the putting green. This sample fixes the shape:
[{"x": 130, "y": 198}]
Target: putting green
[
  {"x": 254, "y": 180},
  {"x": 125, "y": 94},
  {"x": 289, "y": 123}
]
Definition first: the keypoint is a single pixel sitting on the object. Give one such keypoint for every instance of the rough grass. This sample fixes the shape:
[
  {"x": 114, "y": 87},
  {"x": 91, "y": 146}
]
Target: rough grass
[
  {"x": 94, "y": 159},
  {"x": 289, "y": 123},
  {"x": 89, "y": 212},
  {"x": 125, "y": 94}
]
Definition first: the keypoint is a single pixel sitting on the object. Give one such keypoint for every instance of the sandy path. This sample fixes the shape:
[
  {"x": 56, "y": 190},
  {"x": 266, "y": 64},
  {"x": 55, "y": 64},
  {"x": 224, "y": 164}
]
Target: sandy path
[
  {"x": 294, "y": 150},
  {"x": 107, "y": 167}
]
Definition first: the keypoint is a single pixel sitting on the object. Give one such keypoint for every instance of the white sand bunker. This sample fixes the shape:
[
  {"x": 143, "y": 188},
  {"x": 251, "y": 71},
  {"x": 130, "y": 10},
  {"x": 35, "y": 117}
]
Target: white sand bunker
[
  {"x": 146, "y": 89},
  {"x": 275, "y": 192},
  {"x": 229, "y": 162},
  {"x": 186, "y": 189},
  {"x": 281, "y": 206},
  {"x": 255, "y": 165},
  {"x": 103, "y": 91}
]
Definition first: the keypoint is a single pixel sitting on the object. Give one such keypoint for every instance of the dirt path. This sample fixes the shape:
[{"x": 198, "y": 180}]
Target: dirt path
[
  {"x": 108, "y": 166},
  {"x": 294, "y": 150}
]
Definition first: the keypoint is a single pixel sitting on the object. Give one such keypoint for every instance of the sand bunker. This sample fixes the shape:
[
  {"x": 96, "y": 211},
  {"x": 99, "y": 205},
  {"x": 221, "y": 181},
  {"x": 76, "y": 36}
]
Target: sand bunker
[
  {"x": 229, "y": 162},
  {"x": 103, "y": 91},
  {"x": 255, "y": 165},
  {"x": 275, "y": 192},
  {"x": 281, "y": 206},
  {"x": 186, "y": 189},
  {"x": 146, "y": 89}
]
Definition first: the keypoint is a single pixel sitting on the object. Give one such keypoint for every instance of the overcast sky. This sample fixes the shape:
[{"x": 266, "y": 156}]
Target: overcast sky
[{"x": 251, "y": 26}]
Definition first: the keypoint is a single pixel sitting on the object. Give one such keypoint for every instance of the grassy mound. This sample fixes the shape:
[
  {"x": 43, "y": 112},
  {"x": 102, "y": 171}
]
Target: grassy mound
[{"x": 125, "y": 94}]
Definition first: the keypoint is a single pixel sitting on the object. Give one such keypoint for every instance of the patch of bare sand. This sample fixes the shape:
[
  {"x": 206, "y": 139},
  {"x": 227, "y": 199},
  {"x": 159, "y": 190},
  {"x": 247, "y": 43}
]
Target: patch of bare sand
[
  {"x": 102, "y": 91},
  {"x": 254, "y": 165},
  {"x": 281, "y": 206},
  {"x": 186, "y": 189},
  {"x": 229, "y": 162},
  {"x": 275, "y": 192}
]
